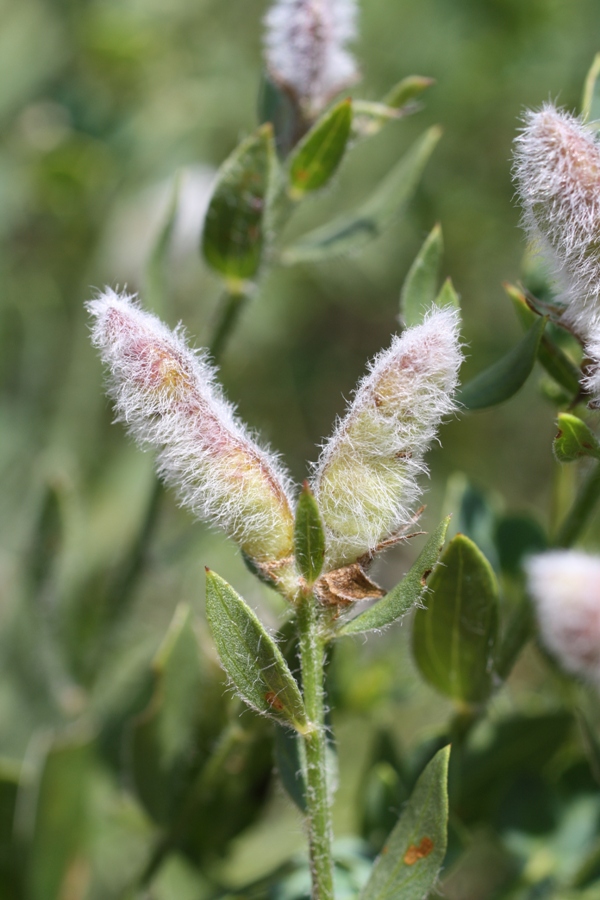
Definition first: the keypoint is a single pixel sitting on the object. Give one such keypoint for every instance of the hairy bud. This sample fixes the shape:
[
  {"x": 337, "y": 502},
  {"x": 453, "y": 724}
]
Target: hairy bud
[
  {"x": 305, "y": 48},
  {"x": 366, "y": 479},
  {"x": 557, "y": 170},
  {"x": 167, "y": 396},
  {"x": 565, "y": 586}
]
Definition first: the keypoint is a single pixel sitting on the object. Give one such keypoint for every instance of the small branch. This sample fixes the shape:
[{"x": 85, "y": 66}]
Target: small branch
[{"x": 582, "y": 509}]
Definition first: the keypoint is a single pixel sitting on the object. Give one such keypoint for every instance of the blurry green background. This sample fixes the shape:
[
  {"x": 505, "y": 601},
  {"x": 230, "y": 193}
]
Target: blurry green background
[{"x": 101, "y": 103}]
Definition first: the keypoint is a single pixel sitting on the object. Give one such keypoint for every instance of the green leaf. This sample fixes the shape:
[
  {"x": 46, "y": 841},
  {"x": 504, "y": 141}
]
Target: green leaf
[
  {"x": 447, "y": 296},
  {"x": 406, "y": 91},
  {"x": 517, "y": 536},
  {"x": 382, "y": 795},
  {"x": 9, "y": 785},
  {"x": 309, "y": 537},
  {"x": 370, "y": 117},
  {"x": 504, "y": 378},
  {"x": 454, "y": 638},
  {"x": 162, "y": 735},
  {"x": 552, "y": 357},
  {"x": 251, "y": 658},
  {"x": 155, "y": 293},
  {"x": 290, "y": 766},
  {"x": 234, "y": 230},
  {"x": 590, "y": 104},
  {"x": 52, "y": 817},
  {"x": 414, "y": 852},
  {"x": 420, "y": 286},
  {"x": 316, "y": 158},
  {"x": 574, "y": 440},
  {"x": 351, "y": 231},
  {"x": 406, "y": 594}
]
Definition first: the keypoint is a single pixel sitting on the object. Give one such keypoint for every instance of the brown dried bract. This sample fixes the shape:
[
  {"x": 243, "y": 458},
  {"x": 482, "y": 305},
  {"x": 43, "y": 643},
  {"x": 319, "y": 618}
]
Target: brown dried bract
[
  {"x": 347, "y": 585},
  {"x": 414, "y": 853}
]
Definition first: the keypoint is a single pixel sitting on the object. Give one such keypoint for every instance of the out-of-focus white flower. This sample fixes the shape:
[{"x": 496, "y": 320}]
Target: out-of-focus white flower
[
  {"x": 565, "y": 587},
  {"x": 306, "y": 48},
  {"x": 167, "y": 396},
  {"x": 557, "y": 170},
  {"x": 366, "y": 479}
]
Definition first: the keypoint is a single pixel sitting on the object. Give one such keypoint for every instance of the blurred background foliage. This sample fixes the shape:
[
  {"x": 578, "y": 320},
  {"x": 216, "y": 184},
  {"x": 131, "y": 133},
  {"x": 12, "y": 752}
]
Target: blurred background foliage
[{"x": 107, "y": 711}]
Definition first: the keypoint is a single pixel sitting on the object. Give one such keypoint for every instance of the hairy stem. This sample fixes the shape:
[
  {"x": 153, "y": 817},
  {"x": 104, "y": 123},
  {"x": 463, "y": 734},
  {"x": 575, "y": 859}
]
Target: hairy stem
[
  {"x": 312, "y": 656},
  {"x": 577, "y": 519}
]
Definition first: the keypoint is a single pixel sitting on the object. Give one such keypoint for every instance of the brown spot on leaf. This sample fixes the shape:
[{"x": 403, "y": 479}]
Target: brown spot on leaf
[
  {"x": 425, "y": 576},
  {"x": 415, "y": 853},
  {"x": 273, "y": 700}
]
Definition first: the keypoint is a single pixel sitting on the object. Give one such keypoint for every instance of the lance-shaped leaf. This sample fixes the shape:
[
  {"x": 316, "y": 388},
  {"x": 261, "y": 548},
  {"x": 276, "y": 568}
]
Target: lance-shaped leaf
[
  {"x": 574, "y": 440},
  {"x": 420, "y": 286},
  {"x": 414, "y": 852},
  {"x": 162, "y": 735},
  {"x": 406, "y": 594},
  {"x": 351, "y": 231},
  {"x": 552, "y": 357},
  {"x": 370, "y": 118},
  {"x": 318, "y": 155},
  {"x": 250, "y": 657},
  {"x": 590, "y": 106},
  {"x": 454, "y": 638},
  {"x": 234, "y": 230},
  {"x": 504, "y": 378},
  {"x": 309, "y": 537}
]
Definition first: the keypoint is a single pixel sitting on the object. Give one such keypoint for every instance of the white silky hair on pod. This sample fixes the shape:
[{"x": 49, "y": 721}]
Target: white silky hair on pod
[
  {"x": 366, "y": 480},
  {"x": 167, "y": 396},
  {"x": 306, "y": 51},
  {"x": 557, "y": 172},
  {"x": 565, "y": 588}
]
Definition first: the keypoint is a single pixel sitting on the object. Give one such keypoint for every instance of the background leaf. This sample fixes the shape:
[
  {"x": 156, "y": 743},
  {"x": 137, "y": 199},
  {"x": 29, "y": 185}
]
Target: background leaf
[
  {"x": 454, "y": 637},
  {"x": 352, "y": 231},
  {"x": 420, "y": 286},
  {"x": 234, "y": 230},
  {"x": 505, "y": 377},
  {"x": 415, "y": 850},
  {"x": 316, "y": 158},
  {"x": 574, "y": 440}
]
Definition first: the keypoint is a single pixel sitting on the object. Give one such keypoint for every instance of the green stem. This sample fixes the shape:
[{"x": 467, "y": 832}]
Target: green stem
[
  {"x": 577, "y": 519},
  {"x": 312, "y": 657},
  {"x": 231, "y": 307}
]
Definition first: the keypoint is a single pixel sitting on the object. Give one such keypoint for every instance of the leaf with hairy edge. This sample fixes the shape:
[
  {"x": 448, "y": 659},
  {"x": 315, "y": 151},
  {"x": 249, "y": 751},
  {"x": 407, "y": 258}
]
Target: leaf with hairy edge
[
  {"x": 351, "y": 231},
  {"x": 316, "y": 158},
  {"x": 590, "y": 106},
  {"x": 406, "y": 594},
  {"x": 309, "y": 537},
  {"x": 234, "y": 230},
  {"x": 574, "y": 440},
  {"x": 505, "y": 377},
  {"x": 552, "y": 357},
  {"x": 414, "y": 852},
  {"x": 454, "y": 638},
  {"x": 251, "y": 658},
  {"x": 420, "y": 286}
]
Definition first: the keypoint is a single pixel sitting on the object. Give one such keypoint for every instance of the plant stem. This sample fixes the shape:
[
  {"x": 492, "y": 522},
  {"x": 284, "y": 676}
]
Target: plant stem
[
  {"x": 577, "y": 519},
  {"x": 312, "y": 656},
  {"x": 231, "y": 307}
]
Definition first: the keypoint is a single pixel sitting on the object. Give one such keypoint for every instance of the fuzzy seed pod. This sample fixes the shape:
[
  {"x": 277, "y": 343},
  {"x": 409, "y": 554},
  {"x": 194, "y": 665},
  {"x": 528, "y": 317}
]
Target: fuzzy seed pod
[
  {"x": 557, "y": 170},
  {"x": 366, "y": 479},
  {"x": 167, "y": 396},
  {"x": 305, "y": 49},
  {"x": 565, "y": 587}
]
